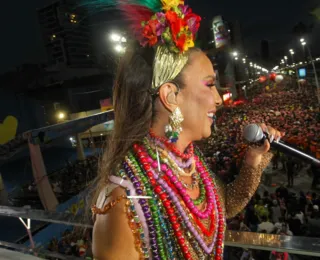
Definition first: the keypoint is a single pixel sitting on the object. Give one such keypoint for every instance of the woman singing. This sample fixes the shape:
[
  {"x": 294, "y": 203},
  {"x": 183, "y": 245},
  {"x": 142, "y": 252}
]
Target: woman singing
[{"x": 157, "y": 199}]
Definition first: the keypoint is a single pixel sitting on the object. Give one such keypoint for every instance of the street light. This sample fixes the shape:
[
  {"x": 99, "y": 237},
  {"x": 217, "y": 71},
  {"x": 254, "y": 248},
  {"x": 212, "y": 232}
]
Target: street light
[
  {"x": 61, "y": 115},
  {"x": 235, "y": 54},
  {"x": 304, "y": 44},
  {"x": 119, "y": 40},
  {"x": 115, "y": 37},
  {"x": 292, "y": 53},
  {"x": 119, "y": 48}
]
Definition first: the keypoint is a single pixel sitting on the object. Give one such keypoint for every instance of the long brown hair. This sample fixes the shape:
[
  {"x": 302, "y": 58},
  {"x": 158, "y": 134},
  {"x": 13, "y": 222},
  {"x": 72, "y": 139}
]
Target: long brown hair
[{"x": 133, "y": 108}]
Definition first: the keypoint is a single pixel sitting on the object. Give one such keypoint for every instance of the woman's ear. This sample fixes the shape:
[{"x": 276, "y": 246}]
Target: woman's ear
[{"x": 168, "y": 96}]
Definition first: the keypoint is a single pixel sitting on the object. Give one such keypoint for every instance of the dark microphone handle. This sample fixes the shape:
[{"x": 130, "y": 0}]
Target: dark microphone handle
[{"x": 282, "y": 147}]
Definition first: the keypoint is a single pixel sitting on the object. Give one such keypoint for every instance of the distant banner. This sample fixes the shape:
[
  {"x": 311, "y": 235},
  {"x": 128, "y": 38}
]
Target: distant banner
[
  {"x": 106, "y": 104},
  {"x": 220, "y": 31}
]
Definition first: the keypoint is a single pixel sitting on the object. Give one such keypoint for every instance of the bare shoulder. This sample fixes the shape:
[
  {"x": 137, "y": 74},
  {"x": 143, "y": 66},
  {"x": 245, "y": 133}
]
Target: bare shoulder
[{"x": 112, "y": 236}]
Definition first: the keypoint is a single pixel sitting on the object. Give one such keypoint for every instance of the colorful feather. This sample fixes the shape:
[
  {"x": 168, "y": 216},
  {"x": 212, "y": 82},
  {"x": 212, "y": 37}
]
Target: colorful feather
[
  {"x": 155, "y": 22},
  {"x": 153, "y": 5},
  {"x": 135, "y": 14}
]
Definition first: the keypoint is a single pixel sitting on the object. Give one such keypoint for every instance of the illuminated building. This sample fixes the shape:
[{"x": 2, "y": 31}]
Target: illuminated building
[{"x": 66, "y": 35}]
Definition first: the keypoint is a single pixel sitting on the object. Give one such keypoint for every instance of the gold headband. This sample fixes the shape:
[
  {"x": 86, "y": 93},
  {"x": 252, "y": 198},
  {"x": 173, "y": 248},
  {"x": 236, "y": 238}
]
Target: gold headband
[{"x": 166, "y": 66}]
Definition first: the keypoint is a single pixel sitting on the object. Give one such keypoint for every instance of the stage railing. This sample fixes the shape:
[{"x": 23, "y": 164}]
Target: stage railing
[
  {"x": 306, "y": 246},
  {"x": 37, "y": 252},
  {"x": 291, "y": 244}
]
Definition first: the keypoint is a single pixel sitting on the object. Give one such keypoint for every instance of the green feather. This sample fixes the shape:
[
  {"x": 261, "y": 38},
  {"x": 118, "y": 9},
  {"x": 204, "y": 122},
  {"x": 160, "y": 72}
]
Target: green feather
[
  {"x": 153, "y": 5},
  {"x": 100, "y": 5}
]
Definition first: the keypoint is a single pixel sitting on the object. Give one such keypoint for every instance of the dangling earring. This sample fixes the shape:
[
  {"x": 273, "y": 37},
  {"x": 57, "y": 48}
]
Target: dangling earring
[{"x": 173, "y": 129}]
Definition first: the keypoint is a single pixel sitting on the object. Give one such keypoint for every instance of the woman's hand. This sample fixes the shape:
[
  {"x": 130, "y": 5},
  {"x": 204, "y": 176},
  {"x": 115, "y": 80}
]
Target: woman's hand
[{"x": 254, "y": 154}]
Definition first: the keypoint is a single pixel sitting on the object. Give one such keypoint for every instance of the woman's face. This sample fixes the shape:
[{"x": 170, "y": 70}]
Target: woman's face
[{"x": 199, "y": 98}]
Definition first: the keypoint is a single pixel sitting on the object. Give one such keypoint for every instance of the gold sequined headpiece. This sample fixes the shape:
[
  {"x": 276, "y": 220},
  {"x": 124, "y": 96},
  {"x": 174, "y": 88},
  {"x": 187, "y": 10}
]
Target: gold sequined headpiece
[{"x": 166, "y": 66}]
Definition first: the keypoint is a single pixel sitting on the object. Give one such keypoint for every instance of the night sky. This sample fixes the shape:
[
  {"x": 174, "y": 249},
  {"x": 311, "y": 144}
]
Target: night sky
[{"x": 272, "y": 20}]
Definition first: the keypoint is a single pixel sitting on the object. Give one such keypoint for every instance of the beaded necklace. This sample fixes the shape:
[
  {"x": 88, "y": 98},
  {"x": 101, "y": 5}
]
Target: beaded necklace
[
  {"x": 171, "y": 157},
  {"x": 195, "y": 177},
  {"x": 172, "y": 147},
  {"x": 172, "y": 218},
  {"x": 168, "y": 160}
]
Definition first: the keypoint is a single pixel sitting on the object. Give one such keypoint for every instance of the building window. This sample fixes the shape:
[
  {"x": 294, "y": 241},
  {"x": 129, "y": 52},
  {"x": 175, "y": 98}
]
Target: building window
[
  {"x": 73, "y": 18},
  {"x": 53, "y": 37}
]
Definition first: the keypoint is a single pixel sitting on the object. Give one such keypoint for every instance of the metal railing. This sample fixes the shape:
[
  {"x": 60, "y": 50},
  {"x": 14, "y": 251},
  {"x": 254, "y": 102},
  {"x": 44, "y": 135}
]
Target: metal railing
[
  {"x": 6, "y": 249},
  {"x": 291, "y": 244}
]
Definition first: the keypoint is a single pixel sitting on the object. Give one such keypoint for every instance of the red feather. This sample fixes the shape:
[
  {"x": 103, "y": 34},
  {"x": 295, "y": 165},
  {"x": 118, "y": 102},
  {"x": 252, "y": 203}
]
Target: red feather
[{"x": 135, "y": 14}]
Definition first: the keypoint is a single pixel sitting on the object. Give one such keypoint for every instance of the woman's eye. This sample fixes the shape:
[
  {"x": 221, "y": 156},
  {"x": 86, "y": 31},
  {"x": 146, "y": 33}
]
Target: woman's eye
[{"x": 210, "y": 85}]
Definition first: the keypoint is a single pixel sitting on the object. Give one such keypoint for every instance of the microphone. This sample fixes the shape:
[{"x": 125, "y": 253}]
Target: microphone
[{"x": 254, "y": 134}]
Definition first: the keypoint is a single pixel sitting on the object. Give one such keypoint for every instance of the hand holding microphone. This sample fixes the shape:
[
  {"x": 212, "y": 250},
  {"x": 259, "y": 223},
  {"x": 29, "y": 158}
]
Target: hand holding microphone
[{"x": 256, "y": 134}]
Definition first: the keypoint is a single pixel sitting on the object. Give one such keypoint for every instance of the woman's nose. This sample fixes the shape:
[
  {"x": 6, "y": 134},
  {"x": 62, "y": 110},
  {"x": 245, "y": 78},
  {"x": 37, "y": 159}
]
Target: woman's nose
[{"x": 217, "y": 97}]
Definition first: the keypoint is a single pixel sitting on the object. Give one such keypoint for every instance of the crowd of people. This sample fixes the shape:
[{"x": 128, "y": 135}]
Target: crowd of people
[
  {"x": 75, "y": 177},
  {"x": 66, "y": 183},
  {"x": 76, "y": 243},
  {"x": 12, "y": 147},
  {"x": 296, "y": 114},
  {"x": 281, "y": 212}
]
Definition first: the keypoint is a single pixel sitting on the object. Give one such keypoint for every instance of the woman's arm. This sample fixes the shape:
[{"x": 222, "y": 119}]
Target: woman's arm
[
  {"x": 112, "y": 236},
  {"x": 239, "y": 192}
]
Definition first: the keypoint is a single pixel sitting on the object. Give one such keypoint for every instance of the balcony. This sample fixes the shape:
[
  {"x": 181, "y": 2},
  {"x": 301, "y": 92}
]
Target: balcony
[{"x": 307, "y": 247}]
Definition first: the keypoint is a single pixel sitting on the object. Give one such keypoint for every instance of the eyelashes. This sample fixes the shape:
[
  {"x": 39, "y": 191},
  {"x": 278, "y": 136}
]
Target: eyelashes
[{"x": 210, "y": 85}]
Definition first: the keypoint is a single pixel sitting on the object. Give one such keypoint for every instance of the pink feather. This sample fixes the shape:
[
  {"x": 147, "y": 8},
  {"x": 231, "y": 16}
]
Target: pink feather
[{"x": 135, "y": 14}]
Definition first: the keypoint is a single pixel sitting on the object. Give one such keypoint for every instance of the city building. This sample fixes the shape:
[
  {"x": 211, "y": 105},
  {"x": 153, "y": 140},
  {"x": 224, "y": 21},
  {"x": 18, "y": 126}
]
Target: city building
[
  {"x": 205, "y": 36},
  {"x": 236, "y": 36},
  {"x": 66, "y": 35}
]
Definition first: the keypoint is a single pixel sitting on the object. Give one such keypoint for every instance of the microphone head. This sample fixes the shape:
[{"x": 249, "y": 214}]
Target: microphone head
[{"x": 252, "y": 133}]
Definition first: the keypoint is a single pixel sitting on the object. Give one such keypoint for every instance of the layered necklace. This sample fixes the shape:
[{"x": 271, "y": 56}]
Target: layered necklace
[{"x": 174, "y": 221}]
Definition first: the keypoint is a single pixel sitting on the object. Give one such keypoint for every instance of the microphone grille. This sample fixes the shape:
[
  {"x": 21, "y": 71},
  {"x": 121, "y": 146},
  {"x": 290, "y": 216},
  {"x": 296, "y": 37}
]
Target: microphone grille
[{"x": 252, "y": 133}]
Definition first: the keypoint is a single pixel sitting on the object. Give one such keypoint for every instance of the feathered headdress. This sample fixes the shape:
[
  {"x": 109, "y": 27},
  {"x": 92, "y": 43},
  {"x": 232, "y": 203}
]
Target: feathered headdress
[
  {"x": 169, "y": 25},
  {"x": 158, "y": 22},
  {"x": 168, "y": 22}
]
